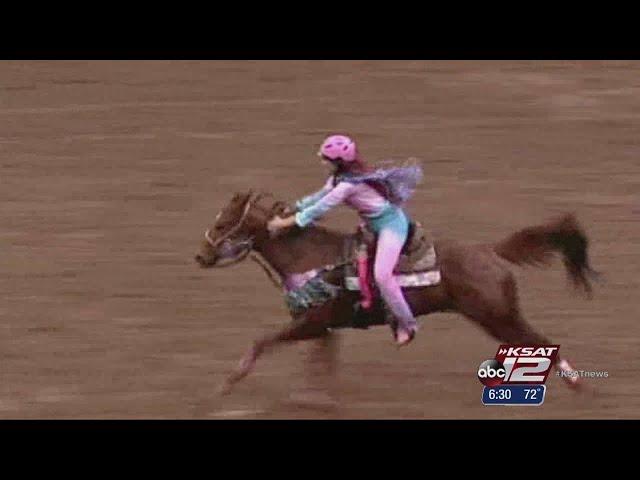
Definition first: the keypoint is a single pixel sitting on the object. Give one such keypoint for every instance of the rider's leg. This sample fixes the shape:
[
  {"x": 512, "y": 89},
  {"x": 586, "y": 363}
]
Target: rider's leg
[{"x": 390, "y": 243}]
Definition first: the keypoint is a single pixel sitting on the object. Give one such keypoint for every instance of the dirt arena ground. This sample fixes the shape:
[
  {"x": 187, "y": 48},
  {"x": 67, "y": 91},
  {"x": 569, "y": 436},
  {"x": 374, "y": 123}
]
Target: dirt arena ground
[{"x": 110, "y": 171}]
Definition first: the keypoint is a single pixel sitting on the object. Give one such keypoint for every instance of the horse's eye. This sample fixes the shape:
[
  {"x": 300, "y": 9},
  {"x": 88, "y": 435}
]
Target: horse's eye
[{"x": 219, "y": 228}]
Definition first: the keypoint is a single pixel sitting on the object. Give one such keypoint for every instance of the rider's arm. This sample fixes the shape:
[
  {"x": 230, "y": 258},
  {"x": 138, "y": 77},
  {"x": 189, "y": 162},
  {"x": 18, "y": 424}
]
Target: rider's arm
[
  {"x": 309, "y": 200},
  {"x": 335, "y": 197}
]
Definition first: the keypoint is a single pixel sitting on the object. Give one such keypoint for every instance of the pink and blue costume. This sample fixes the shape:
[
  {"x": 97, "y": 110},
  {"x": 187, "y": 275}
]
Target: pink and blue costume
[{"x": 384, "y": 216}]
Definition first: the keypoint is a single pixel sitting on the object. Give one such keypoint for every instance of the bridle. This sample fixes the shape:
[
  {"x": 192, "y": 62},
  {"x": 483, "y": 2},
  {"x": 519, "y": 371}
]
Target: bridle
[
  {"x": 207, "y": 233},
  {"x": 246, "y": 244}
]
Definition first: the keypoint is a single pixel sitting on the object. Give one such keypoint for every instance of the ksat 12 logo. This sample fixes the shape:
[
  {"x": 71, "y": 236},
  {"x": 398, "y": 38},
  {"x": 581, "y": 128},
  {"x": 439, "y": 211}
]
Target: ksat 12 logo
[{"x": 517, "y": 375}]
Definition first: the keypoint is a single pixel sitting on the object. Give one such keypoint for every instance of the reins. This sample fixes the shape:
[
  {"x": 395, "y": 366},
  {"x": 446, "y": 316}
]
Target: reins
[
  {"x": 214, "y": 244},
  {"x": 207, "y": 233}
]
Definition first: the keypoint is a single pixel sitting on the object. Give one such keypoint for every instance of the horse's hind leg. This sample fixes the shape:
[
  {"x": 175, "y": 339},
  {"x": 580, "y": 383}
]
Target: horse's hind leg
[
  {"x": 518, "y": 331},
  {"x": 523, "y": 332},
  {"x": 504, "y": 321},
  {"x": 302, "y": 330}
]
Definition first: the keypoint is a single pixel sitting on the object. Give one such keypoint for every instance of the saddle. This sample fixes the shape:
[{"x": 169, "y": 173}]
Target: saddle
[
  {"x": 417, "y": 265},
  {"x": 417, "y": 254}
]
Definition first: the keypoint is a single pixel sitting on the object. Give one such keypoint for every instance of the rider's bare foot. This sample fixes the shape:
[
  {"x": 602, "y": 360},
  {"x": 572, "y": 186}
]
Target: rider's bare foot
[{"x": 404, "y": 337}]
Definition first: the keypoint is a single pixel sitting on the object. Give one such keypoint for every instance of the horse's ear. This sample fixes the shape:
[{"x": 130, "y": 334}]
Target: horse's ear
[
  {"x": 247, "y": 196},
  {"x": 242, "y": 197},
  {"x": 280, "y": 207},
  {"x": 260, "y": 195}
]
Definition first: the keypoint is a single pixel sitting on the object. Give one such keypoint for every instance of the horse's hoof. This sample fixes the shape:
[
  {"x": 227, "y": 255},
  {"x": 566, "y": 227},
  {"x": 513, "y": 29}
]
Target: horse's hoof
[
  {"x": 569, "y": 375},
  {"x": 313, "y": 400},
  {"x": 224, "y": 389},
  {"x": 575, "y": 385}
]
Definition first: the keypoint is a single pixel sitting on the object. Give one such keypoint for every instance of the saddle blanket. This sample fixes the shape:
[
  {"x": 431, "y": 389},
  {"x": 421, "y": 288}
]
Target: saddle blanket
[{"x": 418, "y": 279}]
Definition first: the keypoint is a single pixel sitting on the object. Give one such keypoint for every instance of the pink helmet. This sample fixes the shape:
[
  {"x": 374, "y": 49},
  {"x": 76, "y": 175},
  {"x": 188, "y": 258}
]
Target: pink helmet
[{"x": 339, "y": 147}]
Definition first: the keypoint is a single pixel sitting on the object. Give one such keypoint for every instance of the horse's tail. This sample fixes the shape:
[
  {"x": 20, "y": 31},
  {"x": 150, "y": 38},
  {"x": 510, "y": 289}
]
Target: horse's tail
[{"x": 536, "y": 245}]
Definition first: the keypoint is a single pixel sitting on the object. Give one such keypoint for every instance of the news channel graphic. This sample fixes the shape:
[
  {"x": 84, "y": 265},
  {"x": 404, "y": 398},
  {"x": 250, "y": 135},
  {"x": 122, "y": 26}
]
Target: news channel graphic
[{"x": 517, "y": 374}]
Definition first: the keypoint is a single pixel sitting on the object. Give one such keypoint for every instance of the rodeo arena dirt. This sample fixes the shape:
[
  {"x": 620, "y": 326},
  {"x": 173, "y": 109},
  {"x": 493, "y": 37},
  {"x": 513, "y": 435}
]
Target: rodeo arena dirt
[{"x": 112, "y": 171}]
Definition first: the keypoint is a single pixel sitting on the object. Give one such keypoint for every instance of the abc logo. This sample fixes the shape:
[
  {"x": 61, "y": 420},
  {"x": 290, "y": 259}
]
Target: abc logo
[{"x": 491, "y": 373}]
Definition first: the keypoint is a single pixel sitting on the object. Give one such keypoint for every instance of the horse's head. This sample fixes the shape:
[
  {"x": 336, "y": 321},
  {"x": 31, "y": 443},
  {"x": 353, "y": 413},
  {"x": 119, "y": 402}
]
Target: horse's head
[{"x": 236, "y": 230}]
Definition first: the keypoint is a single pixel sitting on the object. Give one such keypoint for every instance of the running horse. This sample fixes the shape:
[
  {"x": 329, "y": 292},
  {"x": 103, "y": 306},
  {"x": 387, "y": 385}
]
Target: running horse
[{"x": 475, "y": 280}]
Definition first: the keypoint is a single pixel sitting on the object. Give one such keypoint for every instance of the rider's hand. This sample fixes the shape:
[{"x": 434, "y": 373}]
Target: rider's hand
[
  {"x": 274, "y": 224},
  {"x": 277, "y": 223},
  {"x": 289, "y": 210}
]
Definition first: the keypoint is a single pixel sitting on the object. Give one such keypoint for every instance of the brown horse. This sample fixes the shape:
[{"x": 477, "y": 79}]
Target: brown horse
[{"x": 475, "y": 280}]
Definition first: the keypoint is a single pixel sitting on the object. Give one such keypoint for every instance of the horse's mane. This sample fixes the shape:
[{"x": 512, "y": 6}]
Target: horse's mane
[
  {"x": 315, "y": 236},
  {"x": 280, "y": 207},
  {"x": 318, "y": 232}
]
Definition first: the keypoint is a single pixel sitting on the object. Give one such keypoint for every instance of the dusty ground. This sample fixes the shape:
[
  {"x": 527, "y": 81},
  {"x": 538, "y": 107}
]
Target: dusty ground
[{"x": 111, "y": 170}]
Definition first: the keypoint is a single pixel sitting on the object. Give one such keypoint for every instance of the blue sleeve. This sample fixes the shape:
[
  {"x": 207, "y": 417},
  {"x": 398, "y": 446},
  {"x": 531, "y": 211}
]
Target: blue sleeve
[
  {"x": 309, "y": 200},
  {"x": 330, "y": 200}
]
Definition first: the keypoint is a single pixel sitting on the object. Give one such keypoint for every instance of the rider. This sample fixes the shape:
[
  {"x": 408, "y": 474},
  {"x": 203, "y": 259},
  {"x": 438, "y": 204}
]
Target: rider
[{"x": 376, "y": 196}]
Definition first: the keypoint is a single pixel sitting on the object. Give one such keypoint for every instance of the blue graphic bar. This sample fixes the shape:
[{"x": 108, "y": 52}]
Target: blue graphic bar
[{"x": 514, "y": 395}]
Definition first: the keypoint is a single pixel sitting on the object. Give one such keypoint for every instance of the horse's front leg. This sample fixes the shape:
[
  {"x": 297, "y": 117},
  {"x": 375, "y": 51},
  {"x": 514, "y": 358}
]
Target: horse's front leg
[{"x": 304, "y": 329}]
